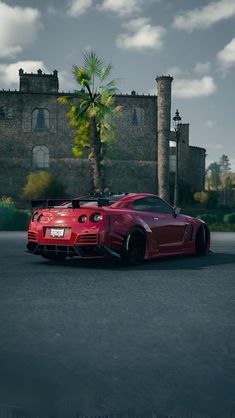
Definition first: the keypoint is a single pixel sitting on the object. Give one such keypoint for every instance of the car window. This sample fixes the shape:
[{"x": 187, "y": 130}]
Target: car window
[
  {"x": 90, "y": 203},
  {"x": 152, "y": 204}
]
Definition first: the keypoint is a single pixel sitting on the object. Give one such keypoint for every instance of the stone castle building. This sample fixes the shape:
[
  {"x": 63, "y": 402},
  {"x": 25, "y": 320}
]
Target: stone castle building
[{"x": 34, "y": 135}]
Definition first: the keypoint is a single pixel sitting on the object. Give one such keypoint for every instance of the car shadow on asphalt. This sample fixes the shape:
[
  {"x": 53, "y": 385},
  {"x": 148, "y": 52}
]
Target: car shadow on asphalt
[{"x": 182, "y": 262}]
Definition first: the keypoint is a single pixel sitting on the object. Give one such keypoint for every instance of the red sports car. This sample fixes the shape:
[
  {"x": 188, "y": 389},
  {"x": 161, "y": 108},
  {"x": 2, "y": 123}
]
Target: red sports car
[{"x": 130, "y": 226}]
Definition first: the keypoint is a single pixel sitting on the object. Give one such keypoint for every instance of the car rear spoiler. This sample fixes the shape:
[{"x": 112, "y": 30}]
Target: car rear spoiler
[
  {"x": 75, "y": 203},
  {"x": 48, "y": 203},
  {"x": 100, "y": 200}
]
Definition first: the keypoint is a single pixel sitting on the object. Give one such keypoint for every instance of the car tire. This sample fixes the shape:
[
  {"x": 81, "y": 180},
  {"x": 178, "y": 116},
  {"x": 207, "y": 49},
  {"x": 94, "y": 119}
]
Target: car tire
[
  {"x": 201, "y": 241},
  {"x": 134, "y": 247},
  {"x": 54, "y": 257}
]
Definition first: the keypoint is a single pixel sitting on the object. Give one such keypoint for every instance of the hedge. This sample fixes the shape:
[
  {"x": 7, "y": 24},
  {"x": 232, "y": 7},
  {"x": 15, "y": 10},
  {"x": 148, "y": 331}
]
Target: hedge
[
  {"x": 12, "y": 219},
  {"x": 209, "y": 218},
  {"x": 229, "y": 218}
]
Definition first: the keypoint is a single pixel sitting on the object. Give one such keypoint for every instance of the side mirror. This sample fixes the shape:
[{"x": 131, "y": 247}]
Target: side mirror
[{"x": 176, "y": 211}]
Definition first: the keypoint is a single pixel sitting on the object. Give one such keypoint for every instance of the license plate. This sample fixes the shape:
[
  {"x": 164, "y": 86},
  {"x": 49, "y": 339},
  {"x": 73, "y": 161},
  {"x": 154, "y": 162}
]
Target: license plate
[{"x": 57, "y": 233}]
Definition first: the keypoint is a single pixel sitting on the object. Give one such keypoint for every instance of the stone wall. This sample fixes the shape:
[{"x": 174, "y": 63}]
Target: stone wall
[
  {"x": 133, "y": 160},
  {"x": 191, "y": 159},
  {"x": 136, "y": 142},
  {"x": 197, "y": 168}
]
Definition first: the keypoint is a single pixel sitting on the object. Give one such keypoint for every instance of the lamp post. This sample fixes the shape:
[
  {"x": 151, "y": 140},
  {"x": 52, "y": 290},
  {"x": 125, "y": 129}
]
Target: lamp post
[{"x": 176, "y": 121}]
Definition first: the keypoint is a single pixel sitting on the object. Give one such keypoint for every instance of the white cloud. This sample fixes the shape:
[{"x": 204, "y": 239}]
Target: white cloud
[
  {"x": 206, "y": 16},
  {"x": 202, "y": 68},
  {"x": 122, "y": 7},
  {"x": 232, "y": 162},
  {"x": 177, "y": 72},
  {"x": 211, "y": 123},
  {"x": 141, "y": 35},
  {"x": 52, "y": 10},
  {"x": 66, "y": 81},
  {"x": 214, "y": 146},
  {"x": 78, "y": 7},
  {"x": 9, "y": 73},
  {"x": 18, "y": 27},
  {"x": 193, "y": 88},
  {"x": 226, "y": 56}
]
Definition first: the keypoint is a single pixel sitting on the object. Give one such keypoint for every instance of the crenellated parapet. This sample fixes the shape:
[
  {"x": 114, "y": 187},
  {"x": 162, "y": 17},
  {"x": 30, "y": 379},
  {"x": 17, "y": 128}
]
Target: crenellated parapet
[{"x": 38, "y": 82}]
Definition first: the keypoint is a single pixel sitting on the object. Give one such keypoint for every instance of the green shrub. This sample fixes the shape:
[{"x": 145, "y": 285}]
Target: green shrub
[
  {"x": 43, "y": 185},
  {"x": 201, "y": 197},
  {"x": 208, "y": 198},
  {"x": 20, "y": 220},
  {"x": 223, "y": 207},
  {"x": 229, "y": 218},
  {"x": 213, "y": 199},
  {"x": 222, "y": 227},
  {"x": 12, "y": 219},
  {"x": 209, "y": 218},
  {"x": 7, "y": 201}
]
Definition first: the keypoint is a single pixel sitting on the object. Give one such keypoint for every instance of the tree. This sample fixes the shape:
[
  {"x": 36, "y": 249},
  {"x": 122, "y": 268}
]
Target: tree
[
  {"x": 92, "y": 113},
  {"x": 201, "y": 197},
  {"x": 224, "y": 163},
  {"x": 227, "y": 190},
  {"x": 209, "y": 198},
  {"x": 213, "y": 179},
  {"x": 43, "y": 185}
]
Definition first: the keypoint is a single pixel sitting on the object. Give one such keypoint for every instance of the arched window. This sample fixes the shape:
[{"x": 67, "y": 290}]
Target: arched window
[
  {"x": 137, "y": 116},
  {"x": 40, "y": 156},
  {"x": 40, "y": 120}
]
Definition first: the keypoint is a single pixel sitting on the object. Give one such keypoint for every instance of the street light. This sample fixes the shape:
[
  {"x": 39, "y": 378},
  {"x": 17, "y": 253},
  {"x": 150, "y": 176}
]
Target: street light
[{"x": 177, "y": 125}]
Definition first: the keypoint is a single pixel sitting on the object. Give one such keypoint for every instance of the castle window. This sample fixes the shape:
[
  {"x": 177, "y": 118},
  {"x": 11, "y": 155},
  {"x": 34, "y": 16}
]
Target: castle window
[
  {"x": 137, "y": 116},
  {"x": 2, "y": 112},
  {"x": 40, "y": 120},
  {"x": 40, "y": 156}
]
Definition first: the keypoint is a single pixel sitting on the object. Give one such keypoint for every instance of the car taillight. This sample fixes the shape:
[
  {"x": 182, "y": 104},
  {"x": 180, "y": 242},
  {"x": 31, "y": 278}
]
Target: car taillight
[
  {"x": 82, "y": 218},
  {"x": 96, "y": 217}
]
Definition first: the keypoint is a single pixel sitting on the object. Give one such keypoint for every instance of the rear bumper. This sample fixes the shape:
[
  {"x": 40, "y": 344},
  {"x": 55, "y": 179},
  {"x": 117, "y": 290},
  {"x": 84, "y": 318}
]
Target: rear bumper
[{"x": 81, "y": 251}]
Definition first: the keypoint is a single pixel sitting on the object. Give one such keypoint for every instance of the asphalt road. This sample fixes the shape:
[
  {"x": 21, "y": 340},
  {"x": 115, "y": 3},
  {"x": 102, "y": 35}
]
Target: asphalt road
[{"x": 97, "y": 337}]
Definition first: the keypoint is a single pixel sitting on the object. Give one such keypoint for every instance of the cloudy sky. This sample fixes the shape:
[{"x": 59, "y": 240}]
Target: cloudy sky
[{"x": 193, "y": 40}]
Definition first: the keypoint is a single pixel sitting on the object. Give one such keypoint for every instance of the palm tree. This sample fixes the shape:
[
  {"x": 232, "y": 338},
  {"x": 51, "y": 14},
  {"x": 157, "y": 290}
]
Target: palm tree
[{"x": 92, "y": 114}]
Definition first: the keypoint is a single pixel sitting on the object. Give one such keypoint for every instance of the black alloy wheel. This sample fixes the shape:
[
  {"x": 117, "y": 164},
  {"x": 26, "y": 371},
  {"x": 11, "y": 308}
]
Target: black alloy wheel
[{"x": 134, "y": 247}]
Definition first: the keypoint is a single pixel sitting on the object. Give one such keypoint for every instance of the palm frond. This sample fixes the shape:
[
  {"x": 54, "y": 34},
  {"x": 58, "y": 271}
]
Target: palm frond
[
  {"x": 92, "y": 63},
  {"x": 117, "y": 111},
  {"x": 64, "y": 99},
  {"x": 110, "y": 87},
  {"x": 102, "y": 110},
  {"x": 105, "y": 72},
  {"x": 111, "y": 84},
  {"x": 81, "y": 76},
  {"x": 81, "y": 138},
  {"x": 81, "y": 94}
]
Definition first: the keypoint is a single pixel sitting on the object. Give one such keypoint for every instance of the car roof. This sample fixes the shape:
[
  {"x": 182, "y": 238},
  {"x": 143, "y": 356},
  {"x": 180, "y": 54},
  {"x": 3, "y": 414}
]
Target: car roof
[
  {"x": 130, "y": 197},
  {"x": 113, "y": 200}
]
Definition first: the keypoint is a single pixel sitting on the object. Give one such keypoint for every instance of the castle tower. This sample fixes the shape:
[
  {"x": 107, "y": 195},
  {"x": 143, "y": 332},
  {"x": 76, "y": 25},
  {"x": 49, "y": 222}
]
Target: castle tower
[
  {"x": 38, "y": 82},
  {"x": 163, "y": 130}
]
